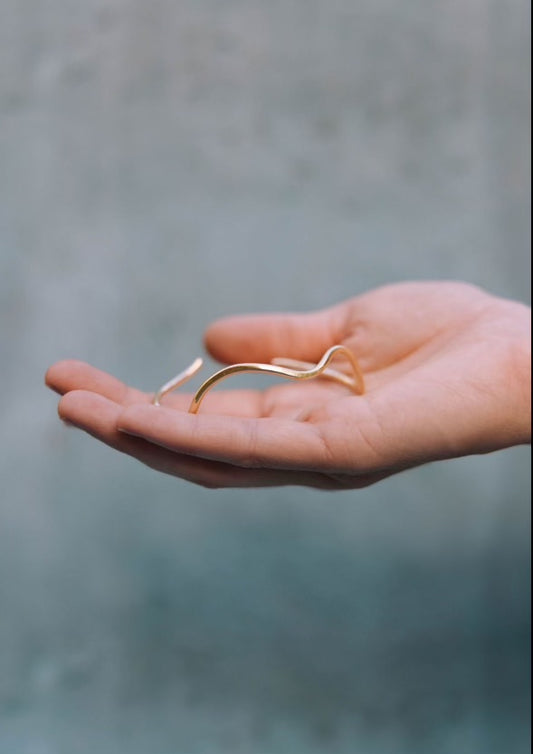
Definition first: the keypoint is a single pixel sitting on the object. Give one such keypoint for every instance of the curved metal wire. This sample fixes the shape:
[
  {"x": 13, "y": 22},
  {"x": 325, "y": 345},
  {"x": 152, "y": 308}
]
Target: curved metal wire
[
  {"x": 177, "y": 381},
  {"x": 282, "y": 367}
]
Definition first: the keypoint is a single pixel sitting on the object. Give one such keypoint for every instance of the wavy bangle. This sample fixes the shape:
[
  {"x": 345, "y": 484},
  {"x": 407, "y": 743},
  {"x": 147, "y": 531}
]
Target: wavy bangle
[{"x": 283, "y": 367}]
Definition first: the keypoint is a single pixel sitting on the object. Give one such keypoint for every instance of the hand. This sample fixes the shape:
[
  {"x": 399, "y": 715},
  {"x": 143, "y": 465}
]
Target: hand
[{"x": 447, "y": 368}]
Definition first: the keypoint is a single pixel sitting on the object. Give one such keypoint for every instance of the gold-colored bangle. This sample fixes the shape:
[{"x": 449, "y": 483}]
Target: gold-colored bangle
[{"x": 282, "y": 367}]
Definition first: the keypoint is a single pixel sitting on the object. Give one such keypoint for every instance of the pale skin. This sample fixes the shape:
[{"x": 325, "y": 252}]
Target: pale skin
[{"x": 447, "y": 371}]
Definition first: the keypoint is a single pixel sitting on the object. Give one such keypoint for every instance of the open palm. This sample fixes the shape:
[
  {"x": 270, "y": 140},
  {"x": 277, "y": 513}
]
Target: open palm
[{"x": 447, "y": 371}]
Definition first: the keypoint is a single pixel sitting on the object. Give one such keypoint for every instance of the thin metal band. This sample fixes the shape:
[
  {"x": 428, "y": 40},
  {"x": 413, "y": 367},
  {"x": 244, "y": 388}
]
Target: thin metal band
[
  {"x": 177, "y": 381},
  {"x": 283, "y": 367}
]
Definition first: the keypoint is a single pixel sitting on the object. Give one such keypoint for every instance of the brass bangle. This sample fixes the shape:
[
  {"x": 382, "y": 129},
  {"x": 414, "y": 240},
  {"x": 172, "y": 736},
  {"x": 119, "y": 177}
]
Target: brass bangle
[
  {"x": 282, "y": 367},
  {"x": 177, "y": 381}
]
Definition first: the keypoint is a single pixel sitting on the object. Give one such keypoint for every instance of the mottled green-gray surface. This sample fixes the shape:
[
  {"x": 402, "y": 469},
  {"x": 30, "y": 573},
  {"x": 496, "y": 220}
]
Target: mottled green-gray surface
[{"x": 166, "y": 162}]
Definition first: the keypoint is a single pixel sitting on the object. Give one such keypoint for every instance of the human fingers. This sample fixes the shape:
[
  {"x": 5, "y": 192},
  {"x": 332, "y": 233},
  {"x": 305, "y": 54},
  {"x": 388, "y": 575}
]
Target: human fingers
[
  {"x": 66, "y": 376},
  {"x": 382, "y": 326},
  {"x": 276, "y": 443},
  {"x": 262, "y": 337},
  {"x": 98, "y": 416}
]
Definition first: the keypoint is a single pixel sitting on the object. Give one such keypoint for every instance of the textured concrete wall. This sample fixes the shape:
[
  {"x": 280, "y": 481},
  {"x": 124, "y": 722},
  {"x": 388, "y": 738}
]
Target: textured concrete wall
[{"x": 166, "y": 162}]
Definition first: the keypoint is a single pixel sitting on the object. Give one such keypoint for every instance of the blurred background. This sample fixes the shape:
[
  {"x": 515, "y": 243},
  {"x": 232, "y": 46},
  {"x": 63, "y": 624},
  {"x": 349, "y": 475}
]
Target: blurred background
[{"x": 164, "y": 163}]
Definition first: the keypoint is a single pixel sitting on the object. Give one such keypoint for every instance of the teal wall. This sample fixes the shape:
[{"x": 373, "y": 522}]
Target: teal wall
[{"x": 163, "y": 163}]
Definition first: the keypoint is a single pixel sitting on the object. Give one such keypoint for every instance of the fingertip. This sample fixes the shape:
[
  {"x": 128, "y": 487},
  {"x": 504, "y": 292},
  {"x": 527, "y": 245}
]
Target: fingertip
[
  {"x": 224, "y": 337},
  {"x": 253, "y": 337},
  {"x": 57, "y": 374},
  {"x": 84, "y": 406},
  {"x": 66, "y": 405},
  {"x": 52, "y": 373}
]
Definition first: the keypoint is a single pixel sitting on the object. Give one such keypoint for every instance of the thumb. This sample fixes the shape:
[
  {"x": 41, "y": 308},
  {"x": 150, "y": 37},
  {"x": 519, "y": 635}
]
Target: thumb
[{"x": 262, "y": 337}]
